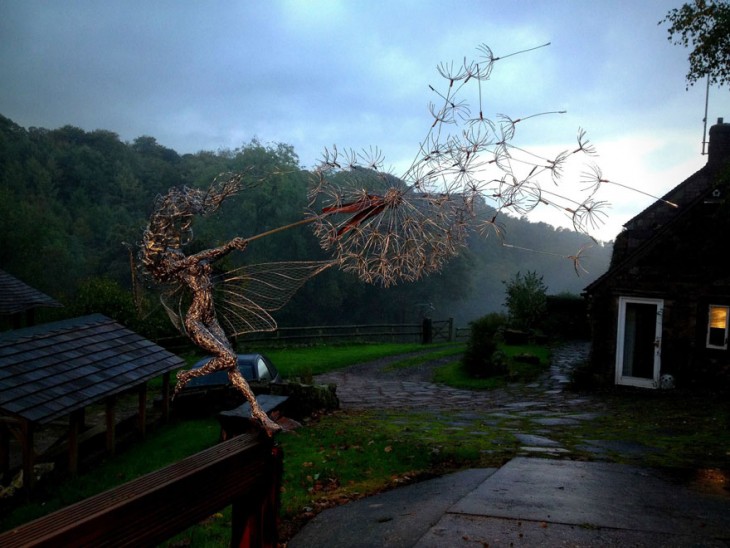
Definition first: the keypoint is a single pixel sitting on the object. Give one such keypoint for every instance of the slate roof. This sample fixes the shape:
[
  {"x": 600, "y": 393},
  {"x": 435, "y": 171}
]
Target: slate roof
[
  {"x": 16, "y": 296},
  {"x": 649, "y": 227},
  {"x": 48, "y": 371}
]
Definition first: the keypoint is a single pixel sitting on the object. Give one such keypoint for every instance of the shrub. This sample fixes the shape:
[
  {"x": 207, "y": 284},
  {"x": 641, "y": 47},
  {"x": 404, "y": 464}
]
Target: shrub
[
  {"x": 479, "y": 357},
  {"x": 526, "y": 300}
]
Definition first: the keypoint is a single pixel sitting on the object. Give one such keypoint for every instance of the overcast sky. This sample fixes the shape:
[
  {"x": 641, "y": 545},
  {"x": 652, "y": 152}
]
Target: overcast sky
[{"x": 210, "y": 75}]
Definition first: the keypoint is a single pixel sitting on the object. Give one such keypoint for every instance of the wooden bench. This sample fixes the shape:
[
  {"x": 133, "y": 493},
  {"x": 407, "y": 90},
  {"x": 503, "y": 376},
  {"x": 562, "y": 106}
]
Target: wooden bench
[{"x": 243, "y": 472}]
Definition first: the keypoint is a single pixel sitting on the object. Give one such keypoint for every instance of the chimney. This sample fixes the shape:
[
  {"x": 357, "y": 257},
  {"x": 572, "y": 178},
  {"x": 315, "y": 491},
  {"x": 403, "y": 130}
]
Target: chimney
[{"x": 719, "y": 148}]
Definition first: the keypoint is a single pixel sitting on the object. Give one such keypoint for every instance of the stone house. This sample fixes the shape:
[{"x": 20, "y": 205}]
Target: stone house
[{"x": 659, "y": 315}]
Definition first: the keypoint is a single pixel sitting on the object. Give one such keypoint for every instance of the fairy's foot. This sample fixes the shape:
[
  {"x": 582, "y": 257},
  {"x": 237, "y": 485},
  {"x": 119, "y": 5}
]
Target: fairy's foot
[
  {"x": 182, "y": 380},
  {"x": 269, "y": 426}
]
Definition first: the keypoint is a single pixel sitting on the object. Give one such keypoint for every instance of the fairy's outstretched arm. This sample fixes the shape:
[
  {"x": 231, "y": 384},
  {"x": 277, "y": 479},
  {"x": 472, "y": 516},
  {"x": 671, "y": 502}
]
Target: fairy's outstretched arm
[{"x": 210, "y": 255}]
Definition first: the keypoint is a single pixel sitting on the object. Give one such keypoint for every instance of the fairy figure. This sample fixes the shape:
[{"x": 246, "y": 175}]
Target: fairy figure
[{"x": 246, "y": 294}]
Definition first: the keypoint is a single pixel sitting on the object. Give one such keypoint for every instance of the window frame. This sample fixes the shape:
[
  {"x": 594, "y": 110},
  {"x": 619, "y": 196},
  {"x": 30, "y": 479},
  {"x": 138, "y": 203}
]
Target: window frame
[
  {"x": 709, "y": 326},
  {"x": 263, "y": 370}
]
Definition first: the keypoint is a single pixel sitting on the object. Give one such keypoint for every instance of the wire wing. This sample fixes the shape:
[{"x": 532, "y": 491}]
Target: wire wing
[
  {"x": 246, "y": 295},
  {"x": 174, "y": 302}
]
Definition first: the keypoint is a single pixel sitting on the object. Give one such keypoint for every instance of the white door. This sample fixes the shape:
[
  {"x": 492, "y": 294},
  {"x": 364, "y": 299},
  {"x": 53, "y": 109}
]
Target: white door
[{"x": 639, "y": 342}]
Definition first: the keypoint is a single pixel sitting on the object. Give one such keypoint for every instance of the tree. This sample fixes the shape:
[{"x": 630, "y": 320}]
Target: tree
[
  {"x": 526, "y": 300},
  {"x": 704, "y": 26}
]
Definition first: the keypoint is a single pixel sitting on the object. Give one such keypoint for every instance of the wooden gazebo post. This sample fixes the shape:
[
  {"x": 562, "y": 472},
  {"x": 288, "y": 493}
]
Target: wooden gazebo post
[
  {"x": 111, "y": 424},
  {"x": 75, "y": 423},
  {"x": 26, "y": 435},
  {"x": 142, "y": 410}
]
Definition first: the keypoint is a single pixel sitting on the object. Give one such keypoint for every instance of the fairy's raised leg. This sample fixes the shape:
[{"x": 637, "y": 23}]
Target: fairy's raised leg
[{"x": 219, "y": 363}]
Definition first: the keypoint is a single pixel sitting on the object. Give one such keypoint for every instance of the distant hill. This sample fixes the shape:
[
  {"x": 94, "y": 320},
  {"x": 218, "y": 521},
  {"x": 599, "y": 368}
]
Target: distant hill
[{"x": 73, "y": 204}]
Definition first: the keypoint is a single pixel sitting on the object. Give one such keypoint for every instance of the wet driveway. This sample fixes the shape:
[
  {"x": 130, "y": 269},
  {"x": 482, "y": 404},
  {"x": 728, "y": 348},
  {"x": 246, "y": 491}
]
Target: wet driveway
[{"x": 550, "y": 494}]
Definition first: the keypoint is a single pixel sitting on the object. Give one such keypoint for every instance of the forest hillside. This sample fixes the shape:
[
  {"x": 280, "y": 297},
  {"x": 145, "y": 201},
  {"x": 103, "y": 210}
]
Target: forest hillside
[{"x": 74, "y": 203}]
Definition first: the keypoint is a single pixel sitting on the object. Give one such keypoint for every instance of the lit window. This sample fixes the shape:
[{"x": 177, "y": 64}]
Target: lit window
[{"x": 717, "y": 327}]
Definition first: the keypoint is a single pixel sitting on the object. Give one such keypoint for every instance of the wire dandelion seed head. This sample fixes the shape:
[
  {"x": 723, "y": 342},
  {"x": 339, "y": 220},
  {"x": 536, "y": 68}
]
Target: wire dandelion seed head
[
  {"x": 492, "y": 226},
  {"x": 478, "y": 138},
  {"x": 443, "y": 114},
  {"x": 557, "y": 166},
  {"x": 584, "y": 144},
  {"x": 576, "y": 259},
  {"x": 502, "y": 158},
  {"x": 479, "y": 70},
  {"x": 524, "y": 196},
  {"x": 592, "y": 178},
  {"x": 487, "y": 55},
  {"x": 590, "y": 213},
  {"x": 507, "y": 127},
  {"x": 372, "y": 159},
  {"x": 452, "y": 73},
  {"x": 388, "y": 229},
  {"x": 385, "y": 231}
]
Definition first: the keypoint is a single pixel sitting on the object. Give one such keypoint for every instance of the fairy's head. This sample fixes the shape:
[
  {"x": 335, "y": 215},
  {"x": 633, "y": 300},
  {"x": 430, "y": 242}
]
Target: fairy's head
[{"x": 170, "y": 226}]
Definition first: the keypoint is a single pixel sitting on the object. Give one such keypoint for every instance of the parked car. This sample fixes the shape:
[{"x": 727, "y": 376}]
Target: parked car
[{"x": 214, "y": 392}]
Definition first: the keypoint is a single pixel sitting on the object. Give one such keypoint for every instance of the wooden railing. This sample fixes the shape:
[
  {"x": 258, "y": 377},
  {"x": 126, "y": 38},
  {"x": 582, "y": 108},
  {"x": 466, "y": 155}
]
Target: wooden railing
[{"x": 243, "y": 472}]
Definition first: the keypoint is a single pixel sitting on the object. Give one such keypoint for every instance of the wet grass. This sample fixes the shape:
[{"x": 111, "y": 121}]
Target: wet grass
[
  {"x": 451, "y": 350},
  {"x": 316, "y": 360},
  {"x": 454, "y": 374},
  {"x": 347, "y": 454},
  {"x": 667, "y": 430}
]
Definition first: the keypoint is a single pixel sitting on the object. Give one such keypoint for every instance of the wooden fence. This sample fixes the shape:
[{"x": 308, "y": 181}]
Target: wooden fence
[
  {"x": 425, "y": 332},
  {"x": 243, "y": 472}
]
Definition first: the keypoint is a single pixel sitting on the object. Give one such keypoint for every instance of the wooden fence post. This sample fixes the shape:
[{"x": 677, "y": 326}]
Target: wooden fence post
[
  {"x": 427, "y": 332},
  {"x": 255, "y": 518}
]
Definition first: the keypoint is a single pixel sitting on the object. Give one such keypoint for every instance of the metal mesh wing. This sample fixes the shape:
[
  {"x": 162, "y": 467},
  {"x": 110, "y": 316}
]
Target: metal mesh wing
[
  {"x": 246, "y": 295},
  {"x": 174, "y": 302}
]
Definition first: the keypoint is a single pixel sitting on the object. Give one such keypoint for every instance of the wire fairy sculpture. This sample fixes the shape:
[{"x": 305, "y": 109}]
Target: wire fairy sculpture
[{"x": 248, "y": 294}]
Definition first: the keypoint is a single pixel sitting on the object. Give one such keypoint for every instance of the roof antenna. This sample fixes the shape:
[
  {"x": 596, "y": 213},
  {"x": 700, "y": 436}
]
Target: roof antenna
[{"x": 704, "y": 120}]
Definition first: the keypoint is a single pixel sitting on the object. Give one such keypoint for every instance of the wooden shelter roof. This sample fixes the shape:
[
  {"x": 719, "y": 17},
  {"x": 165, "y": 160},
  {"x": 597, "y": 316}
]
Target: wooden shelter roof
[
  {"x": 51, "y": 370},
  {"x": 16, "y": 296}
]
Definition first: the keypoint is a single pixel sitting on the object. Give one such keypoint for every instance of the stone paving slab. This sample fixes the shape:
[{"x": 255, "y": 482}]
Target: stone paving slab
[
  {"x": 396, "y": 518},
  {"x": 530, "y": 502},
  {"x": 458, "y": 530},
  {"x": 597, "y": 495}
]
